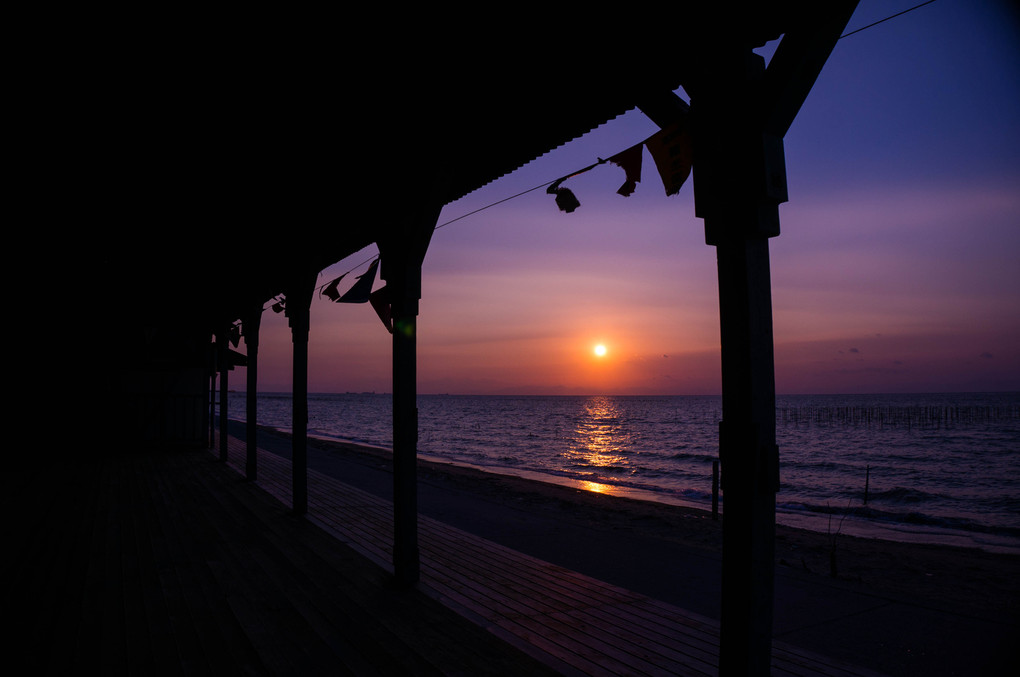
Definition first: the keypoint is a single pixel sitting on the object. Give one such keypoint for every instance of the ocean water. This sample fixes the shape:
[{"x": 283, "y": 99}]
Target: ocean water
[{"x": 927, "y": 468}]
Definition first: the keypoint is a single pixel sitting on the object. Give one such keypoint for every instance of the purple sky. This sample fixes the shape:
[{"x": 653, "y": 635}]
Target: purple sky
[{"x": 897, "y": 269}]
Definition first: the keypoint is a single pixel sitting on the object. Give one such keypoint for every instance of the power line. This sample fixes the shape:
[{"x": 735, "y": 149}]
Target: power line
[
  {"x": 464, "y": 216},
  {"x": 543, "y": 185},
  {"x": 845, "y": 35},
  {"x": 858, "y": 30}
]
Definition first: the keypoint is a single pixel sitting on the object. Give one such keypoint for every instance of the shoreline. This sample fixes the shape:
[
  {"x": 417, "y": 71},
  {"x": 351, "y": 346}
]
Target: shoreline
[
  {"x": 962, "y": 579},
  {"x": 845, "y": 524}
]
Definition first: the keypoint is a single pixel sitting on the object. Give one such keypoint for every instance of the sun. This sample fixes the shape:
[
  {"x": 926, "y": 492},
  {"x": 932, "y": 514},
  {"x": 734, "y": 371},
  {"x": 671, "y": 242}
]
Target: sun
[{"x": 600, "y": 350}]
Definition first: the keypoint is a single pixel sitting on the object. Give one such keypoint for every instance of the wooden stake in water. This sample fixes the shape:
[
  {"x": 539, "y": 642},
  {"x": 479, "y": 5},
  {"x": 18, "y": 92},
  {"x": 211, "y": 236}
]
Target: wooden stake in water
[
  {"x": 715, "y": 490},
  {"x": 867, "y": 479}
]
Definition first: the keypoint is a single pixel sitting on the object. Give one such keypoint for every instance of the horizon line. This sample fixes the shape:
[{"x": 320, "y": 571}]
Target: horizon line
[{"x": 778, "y": 394}]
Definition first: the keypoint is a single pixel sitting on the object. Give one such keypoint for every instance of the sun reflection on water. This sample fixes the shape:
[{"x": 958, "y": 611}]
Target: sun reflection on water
[
  {"x": 597, "y": 488},
  {"x": 600, "y": 444}
]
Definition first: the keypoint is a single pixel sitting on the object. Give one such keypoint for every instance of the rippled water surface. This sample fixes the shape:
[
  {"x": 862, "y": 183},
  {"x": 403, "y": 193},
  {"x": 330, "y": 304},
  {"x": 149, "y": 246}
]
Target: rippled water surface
[{"x": 943, "y": 468}]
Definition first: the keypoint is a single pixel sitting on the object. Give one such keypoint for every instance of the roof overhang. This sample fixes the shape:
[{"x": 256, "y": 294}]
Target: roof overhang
[{"x": 239, "y": 162}]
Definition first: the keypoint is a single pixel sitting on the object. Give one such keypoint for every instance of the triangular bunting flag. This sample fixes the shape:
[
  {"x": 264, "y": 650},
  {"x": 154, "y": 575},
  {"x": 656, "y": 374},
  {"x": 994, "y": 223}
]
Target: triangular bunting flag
[
  {"x": 330, "y": 289},
  {"x": 630, "y": 160},
  {"x": 671, "y": 149},
  {"x": 362, "y": 289},
  {"x": 380, "y": 300}
]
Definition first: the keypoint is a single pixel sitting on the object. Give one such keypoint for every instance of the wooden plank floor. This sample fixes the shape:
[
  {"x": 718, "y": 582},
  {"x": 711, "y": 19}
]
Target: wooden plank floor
[
  {"x": 159, "y": 562},
  {"x": 570, "y": 622}
]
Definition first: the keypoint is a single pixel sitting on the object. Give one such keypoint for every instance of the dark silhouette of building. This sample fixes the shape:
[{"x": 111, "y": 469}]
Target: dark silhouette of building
[{"x": 230, "y": 161}]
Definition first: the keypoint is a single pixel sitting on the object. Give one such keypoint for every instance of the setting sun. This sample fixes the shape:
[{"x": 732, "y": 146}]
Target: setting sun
[{"x": 600, "y": 350}]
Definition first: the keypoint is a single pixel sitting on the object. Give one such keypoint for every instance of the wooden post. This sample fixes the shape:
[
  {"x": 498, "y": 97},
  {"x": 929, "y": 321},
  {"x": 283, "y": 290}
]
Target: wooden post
[
  {"x": 250, "y": 327},
  {"x": 212, "y": 397},
  {"x": 739, "y": 182},
  {"x": 402, "y": 255},
  {"x": 750, "y": 459},
  {"x": 224, "y": 354},
  {"x": 298, "y": 307},
  {"x": 405, "y": 440},
  {"x": 739, "y": 114},
  {"x": 715, "y": 490}
]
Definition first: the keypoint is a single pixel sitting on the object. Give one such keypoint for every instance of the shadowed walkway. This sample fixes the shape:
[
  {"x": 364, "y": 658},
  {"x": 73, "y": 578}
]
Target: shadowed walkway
[
  {"x": 166, "y": 562},
  {"x": 169, "y": 562},
  {"x": 571, "y": 622}
]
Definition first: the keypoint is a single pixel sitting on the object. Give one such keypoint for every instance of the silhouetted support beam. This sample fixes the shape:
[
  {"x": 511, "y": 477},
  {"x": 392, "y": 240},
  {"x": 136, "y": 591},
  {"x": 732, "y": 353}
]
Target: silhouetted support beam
[
  {"x": 750, "y": 457},
  {"x": 250, "y": 327},
  {"x": 223, "y": 349},
  {"x": 799, "y": 59},
  {"x": 664, "y": 108},
  {"x": 739, "y": 175},
  {"x": 402, "y": 253},
  {"x": 739, "y": 114},
  {"x": 212, "y": 395},
  {"x": 298, "y": 304}
]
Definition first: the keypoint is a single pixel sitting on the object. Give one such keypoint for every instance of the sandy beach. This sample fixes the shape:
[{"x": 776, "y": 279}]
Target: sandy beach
[
  {"x": 939, "y": 574},
  {"x": 901, "y": 608}
]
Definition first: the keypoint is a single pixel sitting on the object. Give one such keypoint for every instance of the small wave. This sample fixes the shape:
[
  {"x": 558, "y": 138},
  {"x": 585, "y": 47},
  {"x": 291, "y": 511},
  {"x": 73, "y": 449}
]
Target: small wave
[
  {"x": 614, "y": 469},
  {"x": 694, "y": 456},
  {"x": 905, "y": 518},
  {"x": 903, "y": 495},
  {"x": 695, "y": 495},
  {"x": 818, "y": 465}
]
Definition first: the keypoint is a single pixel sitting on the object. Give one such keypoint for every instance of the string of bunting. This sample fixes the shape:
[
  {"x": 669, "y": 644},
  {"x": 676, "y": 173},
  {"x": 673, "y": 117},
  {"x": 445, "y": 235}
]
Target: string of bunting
[
  {"x": 670, "y": 148},
  {"x": 235, "y": 334},
  {"x": 361, "y": 292}
]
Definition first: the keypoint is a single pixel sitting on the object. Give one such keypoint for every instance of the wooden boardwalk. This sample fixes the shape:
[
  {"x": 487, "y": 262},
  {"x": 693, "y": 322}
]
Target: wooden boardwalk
[
  {"x": 572, "y": 623},
  {"x": 160, "y": 562}
]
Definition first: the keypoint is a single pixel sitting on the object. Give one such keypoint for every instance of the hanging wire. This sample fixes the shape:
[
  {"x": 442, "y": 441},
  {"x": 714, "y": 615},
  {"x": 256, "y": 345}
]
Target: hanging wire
[
  {"x": 506, "y": 199},
  {"x": 893, "y": 16},
  {"x": 480, "y": 209},
  {"x": 547, "y": 183}
]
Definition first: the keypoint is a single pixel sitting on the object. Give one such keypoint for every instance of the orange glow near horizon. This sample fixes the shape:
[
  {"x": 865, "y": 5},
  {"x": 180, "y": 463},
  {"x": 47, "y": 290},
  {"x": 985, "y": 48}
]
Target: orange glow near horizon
[{"x": 875, "y": 286}]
